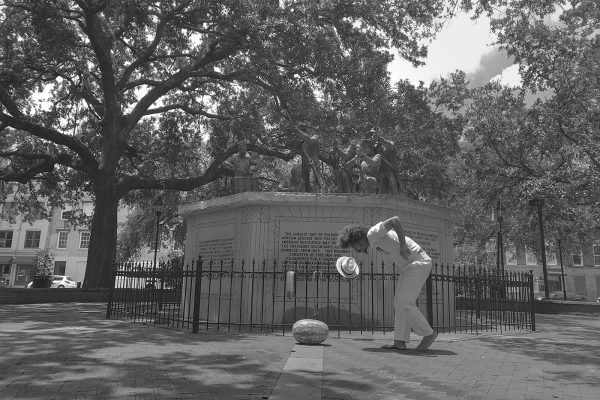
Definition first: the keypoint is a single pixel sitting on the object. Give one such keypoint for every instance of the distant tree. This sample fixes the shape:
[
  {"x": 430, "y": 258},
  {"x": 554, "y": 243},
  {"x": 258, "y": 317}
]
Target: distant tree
[
  {"x": 517, "y": 151},
  {"x": 562, "y": 58}
]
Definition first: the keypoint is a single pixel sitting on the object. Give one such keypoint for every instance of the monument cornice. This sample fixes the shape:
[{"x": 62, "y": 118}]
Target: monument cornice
[{"x": 247, "y": 199}]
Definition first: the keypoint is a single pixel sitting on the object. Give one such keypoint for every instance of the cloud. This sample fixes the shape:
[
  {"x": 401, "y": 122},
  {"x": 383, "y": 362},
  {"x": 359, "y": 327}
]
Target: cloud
[
  {"x": 491, "y": 65},
  {"x": 509, "y": 76},
  {"x": 458, "y": 46}
]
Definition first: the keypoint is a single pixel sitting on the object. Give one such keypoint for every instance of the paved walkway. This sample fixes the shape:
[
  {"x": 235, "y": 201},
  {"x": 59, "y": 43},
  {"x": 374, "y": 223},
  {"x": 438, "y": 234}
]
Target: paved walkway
[{"x": 69, "y": 351}]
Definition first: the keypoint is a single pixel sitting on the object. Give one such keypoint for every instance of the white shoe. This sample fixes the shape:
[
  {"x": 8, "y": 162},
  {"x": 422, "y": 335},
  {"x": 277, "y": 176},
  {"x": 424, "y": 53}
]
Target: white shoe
[{"x": 427, "y": 341}]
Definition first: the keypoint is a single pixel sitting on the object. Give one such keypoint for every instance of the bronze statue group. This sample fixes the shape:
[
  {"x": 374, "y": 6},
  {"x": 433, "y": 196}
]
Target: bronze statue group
[{"x": 366, "y": 165}]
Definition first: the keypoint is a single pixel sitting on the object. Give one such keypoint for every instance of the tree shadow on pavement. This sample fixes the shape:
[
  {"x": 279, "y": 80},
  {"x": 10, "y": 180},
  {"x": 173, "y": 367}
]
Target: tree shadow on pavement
[
  {"x": 70, "y": 350},
  {"x": 569, "y": 346}
]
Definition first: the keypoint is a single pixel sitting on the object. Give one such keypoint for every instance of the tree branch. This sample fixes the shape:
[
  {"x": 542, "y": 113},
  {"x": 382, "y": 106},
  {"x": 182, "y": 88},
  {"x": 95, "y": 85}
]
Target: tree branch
[
  {"x": 140, "y": 82},
  {"x": 212, "y": 173},
  {"x": 46, "y": 165},
  {"x": 187, "y": 109},
  {"x": 508, "y": 163},
  {"x": 160, "y": 29},
  {"x": 54, "y": 136},
  {"x": 64, "y": 159},
  {"x": 197, "y": 70},
  {"x": 102, "y": 48}
]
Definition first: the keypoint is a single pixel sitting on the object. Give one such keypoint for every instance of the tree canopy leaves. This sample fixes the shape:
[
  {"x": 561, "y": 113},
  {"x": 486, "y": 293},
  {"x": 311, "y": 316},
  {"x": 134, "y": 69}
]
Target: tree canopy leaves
[{"x": 131, "y": 88}]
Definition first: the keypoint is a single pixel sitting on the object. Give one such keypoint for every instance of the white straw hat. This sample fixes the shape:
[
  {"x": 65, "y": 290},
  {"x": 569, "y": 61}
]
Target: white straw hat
[{"x": 347, "y": 267}]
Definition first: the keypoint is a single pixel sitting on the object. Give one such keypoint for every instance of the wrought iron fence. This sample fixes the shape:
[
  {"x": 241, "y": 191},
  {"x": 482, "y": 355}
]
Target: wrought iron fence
[
  {"x": 479, "y": 299},
  {"x": 269, "y": 297}
]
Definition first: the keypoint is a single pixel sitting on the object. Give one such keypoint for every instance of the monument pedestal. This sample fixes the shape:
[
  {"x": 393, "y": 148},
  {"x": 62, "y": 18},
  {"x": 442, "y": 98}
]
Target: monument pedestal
[
  {"x": 303, "y": 227},
  {"x": 298, "y": 232}
]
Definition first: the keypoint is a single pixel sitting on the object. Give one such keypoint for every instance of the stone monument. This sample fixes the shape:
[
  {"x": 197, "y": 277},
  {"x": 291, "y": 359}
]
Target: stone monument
[{"x": 299, "y": 231}]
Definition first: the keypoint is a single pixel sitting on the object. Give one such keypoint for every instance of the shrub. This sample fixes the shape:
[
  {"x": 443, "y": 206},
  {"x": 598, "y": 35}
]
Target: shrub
[{"x": 43, "y": 268}]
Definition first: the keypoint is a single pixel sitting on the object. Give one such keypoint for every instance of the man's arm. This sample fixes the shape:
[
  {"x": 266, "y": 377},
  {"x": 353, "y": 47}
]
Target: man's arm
[{"x": 394, "y": 223}]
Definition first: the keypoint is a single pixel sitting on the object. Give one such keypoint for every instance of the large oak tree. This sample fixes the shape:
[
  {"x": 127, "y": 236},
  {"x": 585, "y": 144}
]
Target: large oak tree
[{"x": 130, "y": 86}]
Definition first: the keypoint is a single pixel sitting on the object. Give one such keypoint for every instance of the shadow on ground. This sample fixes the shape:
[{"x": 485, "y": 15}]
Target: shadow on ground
[
  {"x": 412, "y": 352},
  {"x": 571, "y": 347},
  {"x": 70, "y": 350}
]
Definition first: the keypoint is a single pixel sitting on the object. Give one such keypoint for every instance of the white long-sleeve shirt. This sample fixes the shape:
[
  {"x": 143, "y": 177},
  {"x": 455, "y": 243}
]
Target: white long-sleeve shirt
[{"x": 386, "y": 242}]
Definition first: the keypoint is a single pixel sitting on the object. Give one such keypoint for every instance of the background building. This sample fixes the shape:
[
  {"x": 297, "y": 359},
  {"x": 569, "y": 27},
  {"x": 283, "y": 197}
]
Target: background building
[
  {"x": 20, "y": 240},
  {"x": 580, "y": 263}
]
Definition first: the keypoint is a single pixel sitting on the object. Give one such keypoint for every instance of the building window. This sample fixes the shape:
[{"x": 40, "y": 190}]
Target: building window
[
  {"x": 511, "y": 255},
  {"x": 60, "y": 267},
  {"x": 66, "y": 214},
  {"x": 597, "y": 254},
  {"x": 530, "y": 258},
  {"x": 32, "y": 239},
  {"x": 84, "y": 240},
  {"x": 62, "y": 240},
  {"x": 577, "y": 258},
  {"x": 6, "y": 239}
]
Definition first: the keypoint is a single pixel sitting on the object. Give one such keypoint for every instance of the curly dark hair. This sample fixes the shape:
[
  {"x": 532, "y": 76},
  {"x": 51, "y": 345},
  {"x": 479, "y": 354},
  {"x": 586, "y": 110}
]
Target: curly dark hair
[{"x": 351, "y": 234}]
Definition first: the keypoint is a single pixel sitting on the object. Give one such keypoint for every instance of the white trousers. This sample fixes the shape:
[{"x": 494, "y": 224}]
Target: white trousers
[{"x": 406, "y": 314}]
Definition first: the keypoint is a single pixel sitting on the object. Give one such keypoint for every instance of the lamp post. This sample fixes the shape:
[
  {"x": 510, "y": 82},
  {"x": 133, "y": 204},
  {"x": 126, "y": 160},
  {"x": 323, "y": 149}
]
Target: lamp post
[
  {"x": 562, "y": 270},
  {"x": 159, "y": 207},
  {"x": 539, "y": 203},
  {"x": 500, "y": 240}
]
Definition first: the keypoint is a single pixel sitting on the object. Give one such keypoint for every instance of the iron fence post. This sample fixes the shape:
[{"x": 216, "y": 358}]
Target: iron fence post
[
  {"x": 429, "y": 298},
  {"x": 196, "y": 311},
  {"x": 113, "y": 274},
  {"x": 531, "y": 300},
  {"x": 161, "y": 271},
  {"x": 478, "y": 282}
]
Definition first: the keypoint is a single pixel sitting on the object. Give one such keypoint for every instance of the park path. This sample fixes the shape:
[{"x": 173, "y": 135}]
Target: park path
[{"x": 69, "y": 351}]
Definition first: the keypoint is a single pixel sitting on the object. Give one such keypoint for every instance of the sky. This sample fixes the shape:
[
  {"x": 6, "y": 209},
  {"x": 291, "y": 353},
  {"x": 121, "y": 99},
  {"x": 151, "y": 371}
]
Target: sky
[{"x": 462, "y": 44}]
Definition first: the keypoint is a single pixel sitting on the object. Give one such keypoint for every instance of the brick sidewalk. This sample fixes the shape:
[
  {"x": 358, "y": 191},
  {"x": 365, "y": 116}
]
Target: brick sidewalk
[
  {"x": 69, "y": 351},
  {"x": 559, "y": 361}
]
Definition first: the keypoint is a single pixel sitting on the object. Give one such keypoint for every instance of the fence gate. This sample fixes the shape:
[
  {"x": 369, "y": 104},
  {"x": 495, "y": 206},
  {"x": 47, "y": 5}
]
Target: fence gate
[{"x": 260, "y": 297}]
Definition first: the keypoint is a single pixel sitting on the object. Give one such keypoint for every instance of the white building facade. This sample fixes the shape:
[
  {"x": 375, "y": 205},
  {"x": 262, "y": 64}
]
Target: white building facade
[{"x": 20, "y": 240}]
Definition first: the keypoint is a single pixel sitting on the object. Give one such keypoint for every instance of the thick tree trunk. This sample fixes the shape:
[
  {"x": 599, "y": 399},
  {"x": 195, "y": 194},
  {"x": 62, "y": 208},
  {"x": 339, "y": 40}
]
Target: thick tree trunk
[{"x": 101, "y": 252}]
